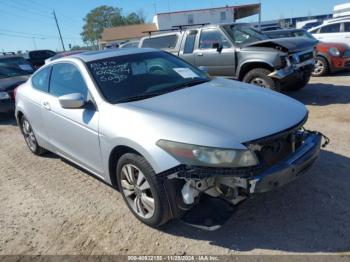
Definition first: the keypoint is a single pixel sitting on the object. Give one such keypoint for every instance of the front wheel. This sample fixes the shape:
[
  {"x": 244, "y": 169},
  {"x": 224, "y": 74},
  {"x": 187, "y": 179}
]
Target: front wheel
[
  {"x": 260, "y": 77},
  {"x": 143, "y": 194},
  {"x": 321, "y": 67}
]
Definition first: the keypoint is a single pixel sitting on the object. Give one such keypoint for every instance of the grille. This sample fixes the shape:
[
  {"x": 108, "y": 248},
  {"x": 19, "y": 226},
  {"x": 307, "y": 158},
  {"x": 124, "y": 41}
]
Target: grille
[
  {"x": 273, "y": 149},
  {"x": 306, "y": 56}
]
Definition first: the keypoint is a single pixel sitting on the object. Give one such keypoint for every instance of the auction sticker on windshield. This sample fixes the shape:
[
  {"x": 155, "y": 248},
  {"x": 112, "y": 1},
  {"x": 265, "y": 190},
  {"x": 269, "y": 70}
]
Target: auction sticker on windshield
[{"x": 185, "y": 72}]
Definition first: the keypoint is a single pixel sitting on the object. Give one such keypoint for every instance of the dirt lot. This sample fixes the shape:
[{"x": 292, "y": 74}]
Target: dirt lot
[{"x": 48, "y": 206}]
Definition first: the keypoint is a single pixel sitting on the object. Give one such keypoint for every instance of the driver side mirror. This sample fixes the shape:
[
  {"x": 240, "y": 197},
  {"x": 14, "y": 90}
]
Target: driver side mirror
[
  {"x": 72, "y": 101},
  {"x": 218, "y": 47}
]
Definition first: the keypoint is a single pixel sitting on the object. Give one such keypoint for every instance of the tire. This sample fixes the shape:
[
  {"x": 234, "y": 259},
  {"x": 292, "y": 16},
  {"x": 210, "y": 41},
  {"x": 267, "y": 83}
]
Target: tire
[
  {"x": 140, "y": 192},
  {"x": 259, "y": 77},
  {"x": 321, "y": 67},
  {"x": 30, "y": 138}
]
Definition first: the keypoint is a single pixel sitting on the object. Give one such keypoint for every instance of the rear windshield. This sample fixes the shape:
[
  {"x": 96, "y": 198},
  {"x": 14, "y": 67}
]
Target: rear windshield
[
  {"x": 14, "y": 66},
  {"x": 161, "y": 42}
]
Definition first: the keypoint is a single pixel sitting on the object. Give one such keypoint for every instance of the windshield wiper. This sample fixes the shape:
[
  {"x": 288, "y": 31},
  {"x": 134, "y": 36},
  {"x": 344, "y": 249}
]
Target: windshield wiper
[
  {"x": 139, "y": 97},
  {"x": 173, "y": 88}
]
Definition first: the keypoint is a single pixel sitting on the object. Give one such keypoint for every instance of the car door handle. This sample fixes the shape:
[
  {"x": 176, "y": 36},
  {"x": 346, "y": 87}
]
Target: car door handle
[
  {"x": 347, "y": 36},
  {"x": 199, "y": 54},
  {"x": 46, "y": 105}
]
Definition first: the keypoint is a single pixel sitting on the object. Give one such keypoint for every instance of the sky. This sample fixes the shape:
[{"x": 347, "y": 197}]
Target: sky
[{"x": 29, "y": 24}]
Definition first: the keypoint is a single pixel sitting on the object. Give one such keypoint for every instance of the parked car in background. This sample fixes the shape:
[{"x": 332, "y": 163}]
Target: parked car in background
[
  {"x": 131, "y": 44},
  {"x": 37, "y": 58},
  {"x": 311, "y": 25},
  {"x": 162, "y": 131},
  {"x": 330, "y": 57},
  {"x": 333, "y": 31},
  {"x": 63, "y": 54},
  {"x": 14, "y": 71},
  {"x": 241, "y": 52}
]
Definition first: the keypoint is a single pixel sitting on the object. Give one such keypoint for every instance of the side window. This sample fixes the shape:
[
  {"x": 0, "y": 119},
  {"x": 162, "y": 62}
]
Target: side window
[
  {"x": 40, "y": 80},
  {"x": 66, "y": 79},
  {"x": 333, "y": 28},
  {"x": 168, "y": 41},
  {"x": 189, "y": 43},
  {"x": 347, "y": 27},
  {"x": 210, "y": 36}
]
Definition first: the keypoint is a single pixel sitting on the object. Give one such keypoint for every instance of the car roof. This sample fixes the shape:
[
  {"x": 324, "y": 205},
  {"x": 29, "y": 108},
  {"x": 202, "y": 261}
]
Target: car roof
[
  {"x": 285, "y": 30},
  {"x": 10, "y": 56},
  {"x": 97, "y": 55}
]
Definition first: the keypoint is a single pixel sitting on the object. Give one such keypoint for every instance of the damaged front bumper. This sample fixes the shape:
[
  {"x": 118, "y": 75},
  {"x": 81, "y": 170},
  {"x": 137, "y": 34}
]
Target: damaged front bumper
[
  {"x": 290, "y": 168},
  {"x": 234, "y": 185}
]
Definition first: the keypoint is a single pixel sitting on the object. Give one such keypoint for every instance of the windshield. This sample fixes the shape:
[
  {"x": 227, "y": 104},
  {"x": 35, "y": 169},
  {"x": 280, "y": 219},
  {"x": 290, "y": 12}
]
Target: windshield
[
  {"x": 140, "y": 76},
  {"x": 14, "y": 66},
  {"x": 305, "y": 34},
  {"x": 244, "y": 34}
]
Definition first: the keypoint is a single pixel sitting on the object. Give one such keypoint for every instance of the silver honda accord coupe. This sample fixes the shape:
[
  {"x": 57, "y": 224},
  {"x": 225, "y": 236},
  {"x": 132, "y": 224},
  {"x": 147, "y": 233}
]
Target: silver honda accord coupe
[{"x": 162, "y": 132}]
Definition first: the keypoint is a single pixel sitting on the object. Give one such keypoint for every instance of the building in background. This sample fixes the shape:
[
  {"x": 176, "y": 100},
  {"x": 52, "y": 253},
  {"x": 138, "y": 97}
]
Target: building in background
[
  {"x": 227, "y": 14},
  {"x": 115, "y": 36}
]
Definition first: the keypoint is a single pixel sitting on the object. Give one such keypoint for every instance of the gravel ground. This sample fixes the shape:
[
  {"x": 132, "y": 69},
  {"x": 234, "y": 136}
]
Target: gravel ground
[{"x": 48, "y": 206}]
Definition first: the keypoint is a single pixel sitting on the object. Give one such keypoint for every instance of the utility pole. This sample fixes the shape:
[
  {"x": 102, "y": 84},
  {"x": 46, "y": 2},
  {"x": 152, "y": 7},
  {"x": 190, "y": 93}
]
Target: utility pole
[
  {"x": 59, "y": 31},
  {"x": 34, "y": 42}
]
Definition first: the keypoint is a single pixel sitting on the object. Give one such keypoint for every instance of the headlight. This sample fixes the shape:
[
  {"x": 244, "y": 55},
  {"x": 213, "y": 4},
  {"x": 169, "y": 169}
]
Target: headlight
[
  {"x": 208, "y": 156},
  {"x": 4, "y": 95},
  {"x": 334, "y": 51}
]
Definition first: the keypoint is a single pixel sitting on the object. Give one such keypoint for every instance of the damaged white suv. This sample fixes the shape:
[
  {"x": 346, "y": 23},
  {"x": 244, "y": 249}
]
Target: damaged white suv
[{"x": 163, "y": 132}]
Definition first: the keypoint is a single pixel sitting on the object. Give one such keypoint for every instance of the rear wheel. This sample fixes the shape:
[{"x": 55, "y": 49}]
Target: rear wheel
[
  {"x": 321, "y": 66},
  {"x": 260, "y": 77},
  {"x": 30, "y": 138},
  {"x": 143, "y": 194}
]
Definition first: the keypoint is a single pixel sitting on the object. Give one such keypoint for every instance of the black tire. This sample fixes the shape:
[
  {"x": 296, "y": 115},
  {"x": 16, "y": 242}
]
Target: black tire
[
  {"x": 161, "y": 213},
  {"x": 260, "y": 77},
  {"x": 30, "y": 138},
  {"x": 321, "y": 67}
]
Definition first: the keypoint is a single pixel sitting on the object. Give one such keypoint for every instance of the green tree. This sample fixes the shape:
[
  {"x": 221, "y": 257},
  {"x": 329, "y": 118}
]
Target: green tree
[{"x": 104, "y": 17}]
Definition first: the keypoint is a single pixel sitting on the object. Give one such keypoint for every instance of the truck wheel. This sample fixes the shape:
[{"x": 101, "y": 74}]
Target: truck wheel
[
  {"x": 321, "y": 66},
  {"x": 143, "y": 193},
  {"x": 259, "y": 77}
]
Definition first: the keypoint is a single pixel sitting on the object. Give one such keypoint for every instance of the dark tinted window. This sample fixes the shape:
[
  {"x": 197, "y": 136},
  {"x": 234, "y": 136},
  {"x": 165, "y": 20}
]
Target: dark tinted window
[
  {"x": 141, "y": 75},
  {"x": 14, "y": 66},
  {"x": 333, "y": 28},
  {"x": 210, "y": 36},
  {"x": 168, "y": 41},
  {"x": 189, "y": 44},
  {"x": 347, "y": 27},
  {"x": 40, "y": 80},
  {"x": 44, "y": 54},
  {"x": 66, "y": 79}
]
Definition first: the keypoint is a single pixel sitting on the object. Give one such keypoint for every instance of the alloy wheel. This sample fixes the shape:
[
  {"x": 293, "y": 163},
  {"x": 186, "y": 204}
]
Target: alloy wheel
[
  {"x": 319, "y": 67},
  {"x": 137, "y": 191},
  {"x": 29, "y": 135}
]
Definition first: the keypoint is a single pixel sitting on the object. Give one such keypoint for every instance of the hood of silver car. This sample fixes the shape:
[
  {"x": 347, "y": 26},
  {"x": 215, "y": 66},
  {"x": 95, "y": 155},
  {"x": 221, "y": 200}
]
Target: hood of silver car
[{"x": 241, "y": 111}]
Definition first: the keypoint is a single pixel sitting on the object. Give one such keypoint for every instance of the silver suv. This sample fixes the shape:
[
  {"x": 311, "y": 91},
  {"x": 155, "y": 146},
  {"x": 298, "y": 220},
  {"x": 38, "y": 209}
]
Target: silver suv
[{"x": 163, "y": 132}]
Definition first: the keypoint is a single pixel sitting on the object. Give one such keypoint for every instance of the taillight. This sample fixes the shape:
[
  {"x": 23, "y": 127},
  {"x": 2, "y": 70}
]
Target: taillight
[{"x": 15, "y": 92}]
